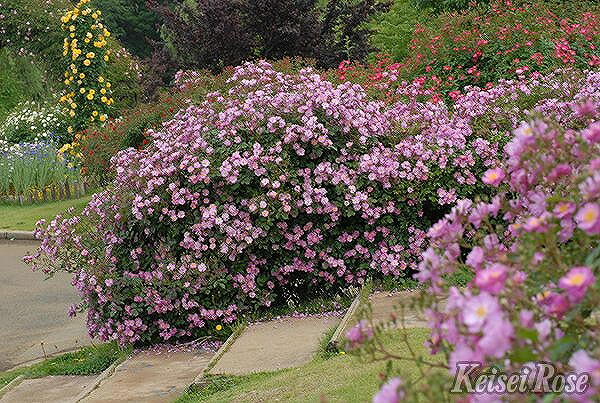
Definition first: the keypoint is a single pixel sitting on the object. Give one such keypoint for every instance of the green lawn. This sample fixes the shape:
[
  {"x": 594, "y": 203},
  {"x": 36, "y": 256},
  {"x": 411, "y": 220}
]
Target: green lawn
[
  {"x": 342, "y": 378},
  {"x": 23, "y": 218},
  {"x": 87, "y": 361}
]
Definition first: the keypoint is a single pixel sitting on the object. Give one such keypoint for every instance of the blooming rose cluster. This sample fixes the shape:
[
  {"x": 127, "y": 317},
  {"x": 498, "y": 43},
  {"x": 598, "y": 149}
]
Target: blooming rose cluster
[
  {"x": 533, "y": 250},
  {"x": 282, "y": 187}
]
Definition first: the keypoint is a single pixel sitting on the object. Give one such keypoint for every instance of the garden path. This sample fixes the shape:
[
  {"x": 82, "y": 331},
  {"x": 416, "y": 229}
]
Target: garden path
[
  {"x": 276, "y": 344},
  {"x": 34, "y": 311}
]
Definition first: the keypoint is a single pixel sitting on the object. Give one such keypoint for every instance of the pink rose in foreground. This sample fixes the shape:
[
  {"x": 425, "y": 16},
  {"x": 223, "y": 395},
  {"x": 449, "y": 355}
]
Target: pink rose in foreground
[
  {"x": 493, "y": 177},
  {"x": 576, "y": 282},
  {"x": 588, "y": 218},
  {"x": 390, "y": 392}
]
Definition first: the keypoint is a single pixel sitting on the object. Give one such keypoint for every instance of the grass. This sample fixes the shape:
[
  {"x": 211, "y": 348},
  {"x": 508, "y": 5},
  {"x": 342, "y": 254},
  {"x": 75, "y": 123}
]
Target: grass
[
  {"x": 87, "y": 361},
  {"x": 340, "y": 378},
  {"x": 23, "y": 218}
]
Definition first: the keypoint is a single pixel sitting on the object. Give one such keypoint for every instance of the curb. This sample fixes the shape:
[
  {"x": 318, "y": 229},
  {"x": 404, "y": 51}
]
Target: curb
[
  {"x": 11, "y": 385},
  {"x": 220, "y": 352},
  {"x": 338, "y": 335},
  {"x": 103, "y": 376},
  {"x": 17, "y": 235}
]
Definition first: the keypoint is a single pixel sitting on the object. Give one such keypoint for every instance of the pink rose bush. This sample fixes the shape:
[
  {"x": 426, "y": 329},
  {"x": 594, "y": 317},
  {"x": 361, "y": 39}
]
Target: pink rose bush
[
  {"x": 279, "y": 188},
  {"x": 534, "y": 254}
]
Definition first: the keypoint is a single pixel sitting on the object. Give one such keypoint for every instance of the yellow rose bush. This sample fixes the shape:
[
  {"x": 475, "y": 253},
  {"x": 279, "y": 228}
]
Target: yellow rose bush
[{"x": 88, "y": 95}]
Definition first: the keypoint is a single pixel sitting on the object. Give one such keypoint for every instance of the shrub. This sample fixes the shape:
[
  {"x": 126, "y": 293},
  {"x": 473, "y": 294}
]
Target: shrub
[
  {"x": 88, "y": 94},
  {"x": 214, "y": 34},
  {"x": 208, "y": 34},
  {"x": 392, "y": 31},
  {"x": 345, "y": 33},
  {"x": 480, "y": 46},
  {"x": 133, "y": 23},
  {"x": 533, "y": 252},
  {"x": 21, "y": 79},
  {"x": 326, "y": 186}
]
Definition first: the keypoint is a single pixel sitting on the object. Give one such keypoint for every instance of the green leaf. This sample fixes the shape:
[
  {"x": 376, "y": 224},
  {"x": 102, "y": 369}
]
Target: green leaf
[
  {"x": 562, "y": 348},
  {"x": 527, "y": 333},
  {"x": 522, "y": 354}
]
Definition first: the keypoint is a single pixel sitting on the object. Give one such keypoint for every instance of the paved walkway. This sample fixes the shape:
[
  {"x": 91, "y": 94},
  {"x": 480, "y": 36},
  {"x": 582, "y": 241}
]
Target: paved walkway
[
  {"x": 33, "y": 310},
  {"x": 272, "y": 345},
  {"x": 55, "y": 389},
  {"x": 151, "y": 377}
]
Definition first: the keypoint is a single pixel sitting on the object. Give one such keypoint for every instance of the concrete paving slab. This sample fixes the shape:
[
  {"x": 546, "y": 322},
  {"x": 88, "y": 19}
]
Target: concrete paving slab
[
  {"x": 151, "y": 377},
  {"x": 56, "y": 389},
  {"x": 385, "y": 305},
  {"x": 272, "y": 345},
  {"x": 34, "y": 310}
]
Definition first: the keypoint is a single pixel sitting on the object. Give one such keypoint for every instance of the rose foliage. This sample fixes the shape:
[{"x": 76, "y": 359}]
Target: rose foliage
[
  {"x": 283, "y": 187},
  {"x": 534, "y": 253}
]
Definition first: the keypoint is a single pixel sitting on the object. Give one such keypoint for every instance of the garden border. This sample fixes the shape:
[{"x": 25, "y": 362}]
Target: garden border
[
  {"x": 220, "y": 352},
  {"x": 338, "y": 335},
  {"x": 11, "y": 385},
  {"x": 107, "y": 373},
  {"x": 17, "y": 235}
]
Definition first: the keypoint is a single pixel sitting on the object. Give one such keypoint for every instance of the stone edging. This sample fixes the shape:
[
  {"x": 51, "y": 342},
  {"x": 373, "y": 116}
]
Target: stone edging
[
  {"x": 107, "y": 373},
  {"x": 338, "y": 335},
  {"x": 11, "y": 385},
  {"x": 222, "y": 350},
  {"x": 17, "y": 235}
]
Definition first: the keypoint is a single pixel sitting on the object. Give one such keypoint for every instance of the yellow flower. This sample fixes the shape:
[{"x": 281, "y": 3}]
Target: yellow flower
[
  {"x": 92, "y": 91},
  {"x": 71, "y": 113},
  {"x": 82, "y": 90},
  {"x": 105, "y": 58},
  {"x": 95, "y": 113},
  {"x": 102, "y": 118},
  {"x": 72, "y": 35},
  {"x": 108, "y": 85},
  {"x": 81, "y": 75},
  {"x": 103, "y": 91},
  {"x": 73, "y": 105},
  {"x": 100, "y": 79},
  {"x": 66, "y": 82},
  {"x": 89, "y": 35},
  {"x": 219, "y": 328},
  {"x": 86, "y": 40},
  {"x": 90, "y": 96},
  {"x": 87, "y": 62},
  {"x": 72, "y": 28},
  {"x": 70, "y": 129},
  {"x": 90, "y": 55},
  {"x": 104, "y": 99}
]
